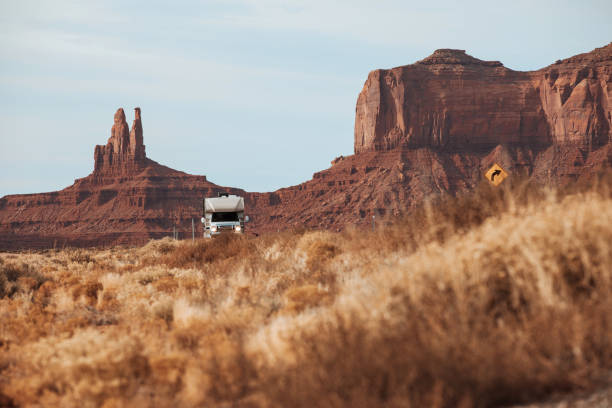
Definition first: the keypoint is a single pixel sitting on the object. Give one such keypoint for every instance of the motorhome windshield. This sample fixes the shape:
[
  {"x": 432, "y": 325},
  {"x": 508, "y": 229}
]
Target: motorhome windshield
[{"x": 224, "y": 217}]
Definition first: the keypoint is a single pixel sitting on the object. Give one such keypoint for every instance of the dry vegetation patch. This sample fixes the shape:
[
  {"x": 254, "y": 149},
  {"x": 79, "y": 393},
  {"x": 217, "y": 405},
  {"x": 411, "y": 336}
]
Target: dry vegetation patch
[{"x": 497, "y": 297}]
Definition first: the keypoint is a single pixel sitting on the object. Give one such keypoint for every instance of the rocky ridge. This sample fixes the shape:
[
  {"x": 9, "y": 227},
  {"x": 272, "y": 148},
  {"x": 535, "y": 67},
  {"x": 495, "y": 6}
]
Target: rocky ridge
[{"x": 423, "y": 129}]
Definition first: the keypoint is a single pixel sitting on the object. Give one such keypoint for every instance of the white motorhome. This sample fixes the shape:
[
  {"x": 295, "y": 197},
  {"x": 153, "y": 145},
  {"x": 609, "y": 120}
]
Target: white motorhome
[{"x": 223, "y": 214}]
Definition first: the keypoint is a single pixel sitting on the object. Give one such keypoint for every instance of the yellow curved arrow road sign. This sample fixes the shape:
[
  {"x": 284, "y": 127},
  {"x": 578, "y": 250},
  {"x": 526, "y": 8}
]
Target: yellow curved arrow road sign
[{"x": 496, "y": 175}]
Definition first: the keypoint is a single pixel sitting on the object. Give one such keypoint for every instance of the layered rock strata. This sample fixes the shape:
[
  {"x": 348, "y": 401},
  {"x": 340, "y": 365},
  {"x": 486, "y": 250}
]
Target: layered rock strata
[
  {"x": 453, "y": 101},
  {"x": 429, "y": 128}
]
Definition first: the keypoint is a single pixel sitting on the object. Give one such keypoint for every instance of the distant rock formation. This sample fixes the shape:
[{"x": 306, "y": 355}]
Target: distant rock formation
[
  {"x": 127, "y": 199},
  {"x": 424, "y": 129},
  {"x": 124, "y": 152},
  {"x": 453, "y": 101},
  {"x": 137, "y": 147}
]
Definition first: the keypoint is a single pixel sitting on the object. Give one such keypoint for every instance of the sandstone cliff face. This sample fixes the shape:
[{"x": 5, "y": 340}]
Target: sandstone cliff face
[
  {"x": 451, "y": 100},
  {"x": 425, "y": 129},
  {"x": 576, "y": 95}
]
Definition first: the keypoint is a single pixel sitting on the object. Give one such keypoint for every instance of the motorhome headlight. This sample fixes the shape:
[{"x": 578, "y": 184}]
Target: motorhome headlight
[
  {"x": 238, "y": 228},
  {"x": 213, "y": 228}
]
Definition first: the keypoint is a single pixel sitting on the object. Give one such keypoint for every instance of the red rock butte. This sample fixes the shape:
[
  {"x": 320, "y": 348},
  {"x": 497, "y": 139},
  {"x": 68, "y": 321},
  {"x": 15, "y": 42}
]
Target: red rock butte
[
  {"x": 424, "y": 129},
  {"x": 453, "y": 100}
]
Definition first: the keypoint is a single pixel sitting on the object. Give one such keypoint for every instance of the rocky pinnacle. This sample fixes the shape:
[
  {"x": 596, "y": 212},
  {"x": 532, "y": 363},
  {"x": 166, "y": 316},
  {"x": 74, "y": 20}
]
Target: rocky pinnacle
[{"x": 124, "y": 152}]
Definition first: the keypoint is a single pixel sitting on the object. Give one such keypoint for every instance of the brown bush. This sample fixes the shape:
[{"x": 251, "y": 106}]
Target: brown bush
[
  {"x": 80, "y": 256},
  {"x": 205, "y": 251},
  {"x": 18, "y": 277},
  {"x": 166, "y": 284},
  {"x": 89, "y": 290},
  {"x": 303, "y": 297}
]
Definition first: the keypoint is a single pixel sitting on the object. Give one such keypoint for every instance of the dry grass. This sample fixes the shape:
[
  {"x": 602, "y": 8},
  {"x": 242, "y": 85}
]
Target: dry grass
[{"x": 497, "y": 297}]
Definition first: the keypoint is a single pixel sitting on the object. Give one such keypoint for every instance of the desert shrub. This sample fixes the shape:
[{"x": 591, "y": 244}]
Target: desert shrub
[
  {"x": 89, "y": 290},
  {"x": 319, "y": 253},
  {"x": 225, "y": 370},
  {"x": 444, "y": 216},
  {"x": 109, "y": 301},
  {"x": 15, "y": 277},
  {"x": 302, "y": 297},
  {"x": 164, "y": 311},
  {"x": 6, "y": 288},
  {"x": 206, "y": 251},
  {"x": 13, "y": 271},
  {"x": 83, "y": 370},
  {"x": 80, "y": 256},
  {"x": 166, "y": 284},
  {"x": 160, "y": 246}
]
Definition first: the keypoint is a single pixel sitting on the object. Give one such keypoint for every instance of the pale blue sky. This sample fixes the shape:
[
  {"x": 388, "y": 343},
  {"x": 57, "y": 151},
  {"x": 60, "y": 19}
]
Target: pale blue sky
[{"x": 254, "y": 94}]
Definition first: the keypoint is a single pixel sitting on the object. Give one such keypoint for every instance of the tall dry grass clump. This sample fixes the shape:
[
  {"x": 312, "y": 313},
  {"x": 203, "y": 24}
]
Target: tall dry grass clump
[{"x": 497, "y": 297}]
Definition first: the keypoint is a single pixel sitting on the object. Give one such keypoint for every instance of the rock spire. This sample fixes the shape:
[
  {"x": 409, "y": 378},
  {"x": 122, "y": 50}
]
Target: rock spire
[{"x": 124, "y": 152}]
